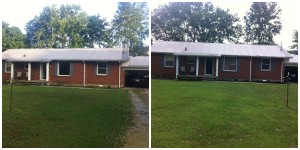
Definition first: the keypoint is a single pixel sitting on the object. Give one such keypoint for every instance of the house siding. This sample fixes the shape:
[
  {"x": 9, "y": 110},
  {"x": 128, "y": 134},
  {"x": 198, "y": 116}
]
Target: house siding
[
  {"x": 274, "y": 74},
  {"x": 158, "y": 69},
  {"x": 76, "y": 77},
  {"x": 242, "y": 72}
]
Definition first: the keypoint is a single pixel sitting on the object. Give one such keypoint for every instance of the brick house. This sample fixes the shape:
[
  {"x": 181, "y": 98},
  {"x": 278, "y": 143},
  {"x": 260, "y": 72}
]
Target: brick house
[
  {"x": 81, "y": 67},
  {"x": 223, "y": 61}
]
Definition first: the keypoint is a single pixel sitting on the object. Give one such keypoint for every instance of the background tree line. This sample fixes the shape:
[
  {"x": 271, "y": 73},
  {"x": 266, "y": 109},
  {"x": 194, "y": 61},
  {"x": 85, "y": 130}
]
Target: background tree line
[
  {"x": 203, "y": 22},
  {"x": 68, "y": 26}
]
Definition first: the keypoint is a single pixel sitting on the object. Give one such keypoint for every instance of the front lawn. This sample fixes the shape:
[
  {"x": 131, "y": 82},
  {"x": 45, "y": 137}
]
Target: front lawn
[
  {"x": 64, "y": 117},
  {"x": 223, "y": 114}
]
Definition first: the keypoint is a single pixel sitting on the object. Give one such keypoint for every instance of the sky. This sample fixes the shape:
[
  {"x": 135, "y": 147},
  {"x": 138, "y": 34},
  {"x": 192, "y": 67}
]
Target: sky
[
  {"x": 19, "y": 12},
  {"x": 289, "y": 16}
]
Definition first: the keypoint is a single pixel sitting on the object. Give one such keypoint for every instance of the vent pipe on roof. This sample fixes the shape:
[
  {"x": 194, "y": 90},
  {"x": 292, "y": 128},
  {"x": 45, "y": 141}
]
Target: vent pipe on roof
[
  {"x": 185, "y": 49},
  {"x": 280, "y": 46}
]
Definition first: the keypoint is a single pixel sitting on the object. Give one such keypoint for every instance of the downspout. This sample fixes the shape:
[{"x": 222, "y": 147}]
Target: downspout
[
  {"x": 83, "y": 73},
  {"x": 281, "y": 70},
  {"x": 250, "y": 75},
  {"x": 119, "y": 74}
]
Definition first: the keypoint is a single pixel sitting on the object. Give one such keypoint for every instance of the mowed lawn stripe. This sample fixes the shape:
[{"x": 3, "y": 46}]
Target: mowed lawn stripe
[
  {"x": 223, "y": 114},
  {"x": 64, "y": 117}
]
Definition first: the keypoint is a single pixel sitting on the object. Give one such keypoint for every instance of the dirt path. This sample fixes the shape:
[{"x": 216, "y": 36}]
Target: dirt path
[{"x": 138, "y": 134}]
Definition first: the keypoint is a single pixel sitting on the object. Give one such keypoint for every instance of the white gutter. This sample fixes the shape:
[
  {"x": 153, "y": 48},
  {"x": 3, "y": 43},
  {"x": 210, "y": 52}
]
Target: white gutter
[
  {"x": 83, "y": 73},
  {"x": 119, "y": 74},
  {"x": 250, "y": 74}
]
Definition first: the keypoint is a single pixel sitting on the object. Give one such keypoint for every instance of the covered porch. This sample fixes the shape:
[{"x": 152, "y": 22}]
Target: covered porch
[
  {"x": 197, "y": 67},
  {"x": 30, "y": 72}
]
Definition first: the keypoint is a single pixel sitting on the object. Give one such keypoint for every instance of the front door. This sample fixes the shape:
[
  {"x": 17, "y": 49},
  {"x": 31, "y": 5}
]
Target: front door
[
  {"x": 209, "y": 66},
  {"x": 43, "y": 71}
]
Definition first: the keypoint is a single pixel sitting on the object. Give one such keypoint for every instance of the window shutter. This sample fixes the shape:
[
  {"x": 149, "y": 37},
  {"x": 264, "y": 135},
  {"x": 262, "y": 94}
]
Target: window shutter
[
  {"x": 55, "y": 68},
  {"x": 273, "y": 65},
  {"x": 71, "y": 68},
  {"x": 108, "y": 68},
  {"x": 221, "y": 63},
  {"x": 3, "y": 66},
  {"x": 238, "y": 63},
  {"x": 162, "y": 61}
]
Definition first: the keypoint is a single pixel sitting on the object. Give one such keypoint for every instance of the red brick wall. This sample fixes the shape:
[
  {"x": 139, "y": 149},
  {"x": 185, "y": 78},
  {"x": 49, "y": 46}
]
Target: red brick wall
[
  {"x": 91, "y": 78},
  {"x": 243, "y": 71},
  {"x": 257, "y": 74},
  {"x": 111, "y": 79},
  {"x": 274, "y": 74},
  {"x": 77, "y": 78},
  {"x": 157, "y": 66}
]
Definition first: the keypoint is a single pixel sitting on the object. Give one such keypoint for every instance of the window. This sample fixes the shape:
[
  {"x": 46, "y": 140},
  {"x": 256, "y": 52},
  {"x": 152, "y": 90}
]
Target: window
[
  {"x": 169, "y": 61},
  {"x": 64, "y": 68},
  {"x": 7, "y": 67},
  {"x": 102, "y": 68},
  {"x": 25, "y": 66},
  {"x": 191, "y": 60},
  {"x": 266, "y": 64},
  {"x": 230, "y": 64}
]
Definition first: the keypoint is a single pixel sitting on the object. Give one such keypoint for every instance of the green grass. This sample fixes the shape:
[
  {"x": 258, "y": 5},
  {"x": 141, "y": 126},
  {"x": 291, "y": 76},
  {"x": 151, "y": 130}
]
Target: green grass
[
  {"x": 64, "y": 117},
  {"x": 223, "y": 114}
]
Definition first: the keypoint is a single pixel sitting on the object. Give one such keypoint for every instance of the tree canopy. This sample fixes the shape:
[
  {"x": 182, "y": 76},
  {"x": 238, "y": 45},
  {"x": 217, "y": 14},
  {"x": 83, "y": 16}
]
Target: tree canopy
[
  {"x": 12, "y": 37},
  {"x": 295, "y": 40},
  {"x": 262, "y": 23},
  {"x": 66, "y": 26},
  {"x": 130, "y": 26},
  {"x": 194, "y": 21}
]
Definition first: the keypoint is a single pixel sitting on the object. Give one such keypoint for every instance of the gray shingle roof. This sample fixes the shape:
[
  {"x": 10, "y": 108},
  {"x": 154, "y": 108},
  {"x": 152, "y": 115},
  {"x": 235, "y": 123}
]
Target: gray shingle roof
[
  {"x": 44, "y": 55},
  {"x": 216, "y": 49}
]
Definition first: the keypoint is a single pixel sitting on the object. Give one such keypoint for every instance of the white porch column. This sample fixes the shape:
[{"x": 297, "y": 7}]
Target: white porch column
[
  {"x": 197, "y": 66},
  {"x": 217, "y": 67},
  {"x": 177, "y": 66},
  {"x": 29, "y": 71},
  {"x": 47, "y": 71},
  {"x": 12, "y": 70}
]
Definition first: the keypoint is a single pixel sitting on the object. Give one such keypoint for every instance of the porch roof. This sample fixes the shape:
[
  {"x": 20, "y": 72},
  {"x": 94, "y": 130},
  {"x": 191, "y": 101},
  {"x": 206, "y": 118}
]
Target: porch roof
[
  {"x": 217, "y": 50},
  {"x": 80, "y": 54},
  {"x": 138, "y": 62}
]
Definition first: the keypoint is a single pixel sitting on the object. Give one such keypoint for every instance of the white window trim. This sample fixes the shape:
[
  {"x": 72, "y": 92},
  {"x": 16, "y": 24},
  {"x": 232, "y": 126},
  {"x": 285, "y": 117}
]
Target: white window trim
[
  {"x": 102, "y": 68},
  {"x": 261, "y": 64},
  {"x": 5, "y": 65},
  {"x": 63, "y": 75},
  {"x": 230, "y": 70},
  {"x": 165, "y": 65},
  {"x": 190, "y": 57}
]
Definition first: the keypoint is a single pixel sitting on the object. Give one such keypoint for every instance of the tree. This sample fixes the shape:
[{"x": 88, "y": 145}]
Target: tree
[
  {"x": 97, "y": 33},
  {"x": 61, "y": 27},
  {"x": 262, "y": 23},
  {"x": 12, "y": 37},
  {"x": 194, "y": 21},
  {"x": 130, "y": 26},
  {"x": 295, "y": 40}
]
